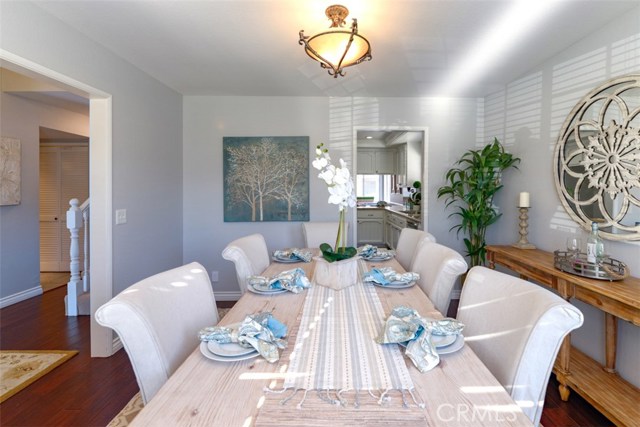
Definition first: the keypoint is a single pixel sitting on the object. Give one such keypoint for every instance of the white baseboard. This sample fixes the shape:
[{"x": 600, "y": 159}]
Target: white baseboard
[
  {"x": 20, "y": 296},
  {"x": 227, "y": 295},
  {"x": 117, "y": 344}
]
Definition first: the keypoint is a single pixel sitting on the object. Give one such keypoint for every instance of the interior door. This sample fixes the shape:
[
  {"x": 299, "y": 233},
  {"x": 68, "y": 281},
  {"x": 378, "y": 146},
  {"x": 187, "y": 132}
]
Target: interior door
[{"x": 64, "y": 175}]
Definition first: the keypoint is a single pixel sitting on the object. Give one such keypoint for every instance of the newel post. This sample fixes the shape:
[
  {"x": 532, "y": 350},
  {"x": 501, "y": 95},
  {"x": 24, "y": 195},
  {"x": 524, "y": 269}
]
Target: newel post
[{"x": 74, "y": 287}]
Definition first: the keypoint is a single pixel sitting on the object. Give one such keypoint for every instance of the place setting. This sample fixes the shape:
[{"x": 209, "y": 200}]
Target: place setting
[
  {"x": 292, "y": 255},
  {"x": 424, "y": 339},
  {"x": 387, "y": 277},
  {"x": 257, "y": 335},
  {"x": 294, "y": 280},
  {"x": 374, "y": 254}
]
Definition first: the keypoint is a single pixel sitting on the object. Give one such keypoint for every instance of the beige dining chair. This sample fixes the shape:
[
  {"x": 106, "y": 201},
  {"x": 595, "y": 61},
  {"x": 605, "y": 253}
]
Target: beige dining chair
[
  {"x": 250, "y": 256},
  {"x": 316, "y": 233},
  {"x": 158, "y": 319},
  {"x": 408, "y": 244},
  {"x": 438, "y": 267},
  {"x": 516, "y": 329}
]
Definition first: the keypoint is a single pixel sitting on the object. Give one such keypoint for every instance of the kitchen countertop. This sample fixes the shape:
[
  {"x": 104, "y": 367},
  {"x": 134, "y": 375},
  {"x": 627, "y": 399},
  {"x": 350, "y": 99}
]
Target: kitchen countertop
[{"x": 396, "y": 210}]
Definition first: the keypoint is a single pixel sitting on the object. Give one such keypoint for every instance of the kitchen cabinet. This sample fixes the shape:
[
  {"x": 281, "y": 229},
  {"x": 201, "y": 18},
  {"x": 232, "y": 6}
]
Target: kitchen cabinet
[
  {"x": 370, "y": 226},
  {"x": 376, "y": 161},
  {"x": 394, "y": 225}
]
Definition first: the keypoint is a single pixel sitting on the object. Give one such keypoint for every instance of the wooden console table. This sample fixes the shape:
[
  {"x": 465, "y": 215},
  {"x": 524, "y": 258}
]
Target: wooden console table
[{"x": 600, "y": 385}]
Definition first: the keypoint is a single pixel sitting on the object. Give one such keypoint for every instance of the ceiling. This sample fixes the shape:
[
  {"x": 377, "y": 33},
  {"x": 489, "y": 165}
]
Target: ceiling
[{"x": 250, "y": 47}]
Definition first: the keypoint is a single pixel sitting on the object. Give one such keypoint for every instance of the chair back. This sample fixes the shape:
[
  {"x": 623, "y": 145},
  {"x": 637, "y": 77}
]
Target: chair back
[
  {"x": 408, "y": 244},
  {"x": 158, "y": 319},
  {"x": 250, "y": 256},
  {"x": 316, "y": 233},
  {"x": 439, "y": 267},
  {"x": 516, "y": 329}
]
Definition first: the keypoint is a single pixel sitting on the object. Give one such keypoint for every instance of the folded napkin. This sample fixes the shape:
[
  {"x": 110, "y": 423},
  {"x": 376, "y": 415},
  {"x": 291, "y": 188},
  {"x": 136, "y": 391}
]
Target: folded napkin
[
  {"x": 292, "y": 280},
  {"x": 385, "y": 275},
  {"x": 405, "y": 326},
  {"x": 294, "y": 254},
  {"x": 261, "y": 331}
]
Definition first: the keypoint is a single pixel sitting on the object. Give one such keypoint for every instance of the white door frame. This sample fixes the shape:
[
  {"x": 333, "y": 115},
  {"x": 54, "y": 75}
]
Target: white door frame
[
  {"x": 100, "y": 191},
  {"x": 425, "y": 162}
]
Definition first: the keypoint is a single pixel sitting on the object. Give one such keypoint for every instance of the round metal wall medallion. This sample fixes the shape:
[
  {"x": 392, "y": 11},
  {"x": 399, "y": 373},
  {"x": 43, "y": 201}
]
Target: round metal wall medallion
[{"x": 597, "y": 159}]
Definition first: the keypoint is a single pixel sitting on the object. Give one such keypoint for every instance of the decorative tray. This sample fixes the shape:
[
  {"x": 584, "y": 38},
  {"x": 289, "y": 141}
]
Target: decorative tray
[{"x": 607, "y": 269}]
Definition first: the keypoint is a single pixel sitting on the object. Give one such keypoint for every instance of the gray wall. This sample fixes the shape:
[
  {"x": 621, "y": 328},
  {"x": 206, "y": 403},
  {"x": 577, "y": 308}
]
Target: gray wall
[
  {"x": 452, "y": 129},
  {"x": 19, "y": 224},
  {"x": 147, "y": 139},
  {"x": 527, "y": 117}
]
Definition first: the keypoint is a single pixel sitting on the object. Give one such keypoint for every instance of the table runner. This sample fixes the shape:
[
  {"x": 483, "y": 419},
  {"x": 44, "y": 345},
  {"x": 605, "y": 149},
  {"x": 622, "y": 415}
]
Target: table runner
[{"x": 335, "y": 349}]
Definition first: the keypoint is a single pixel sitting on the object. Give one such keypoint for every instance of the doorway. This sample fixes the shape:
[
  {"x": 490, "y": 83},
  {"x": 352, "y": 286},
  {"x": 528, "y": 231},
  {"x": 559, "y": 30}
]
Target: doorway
[{"x": 100, "y": 175}]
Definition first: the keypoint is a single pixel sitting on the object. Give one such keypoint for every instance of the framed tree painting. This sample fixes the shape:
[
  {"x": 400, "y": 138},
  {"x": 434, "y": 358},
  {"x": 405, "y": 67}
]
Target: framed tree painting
[{"x": 266, "y": 178}]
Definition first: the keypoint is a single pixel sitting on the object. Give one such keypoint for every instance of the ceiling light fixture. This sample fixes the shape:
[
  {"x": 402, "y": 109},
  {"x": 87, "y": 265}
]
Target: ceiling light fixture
[{"x": 337, "y": 49}]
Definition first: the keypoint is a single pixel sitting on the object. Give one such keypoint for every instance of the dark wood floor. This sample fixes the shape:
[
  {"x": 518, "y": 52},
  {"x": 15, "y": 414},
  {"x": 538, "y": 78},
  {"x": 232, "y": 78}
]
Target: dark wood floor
[{"x": 89, "y": 391}]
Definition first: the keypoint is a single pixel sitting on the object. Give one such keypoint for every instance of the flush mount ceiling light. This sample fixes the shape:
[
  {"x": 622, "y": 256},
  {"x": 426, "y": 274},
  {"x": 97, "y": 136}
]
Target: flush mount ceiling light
[{"x": 337, "y": 49}]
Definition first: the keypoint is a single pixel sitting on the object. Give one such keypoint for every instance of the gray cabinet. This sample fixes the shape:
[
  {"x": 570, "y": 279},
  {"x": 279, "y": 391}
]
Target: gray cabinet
[
  {"x": 370, "y": 226},
  {"x": 376, "y": 161}
]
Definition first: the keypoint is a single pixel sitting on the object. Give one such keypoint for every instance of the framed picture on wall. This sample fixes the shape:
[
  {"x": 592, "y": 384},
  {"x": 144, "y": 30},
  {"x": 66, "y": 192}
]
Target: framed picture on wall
[
  {"x": 266, "y": 178},
  {"x": 9, "y": 171}
]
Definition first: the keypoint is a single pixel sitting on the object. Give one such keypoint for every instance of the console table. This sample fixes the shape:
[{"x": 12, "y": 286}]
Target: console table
[{"x": 600, "y": 385}]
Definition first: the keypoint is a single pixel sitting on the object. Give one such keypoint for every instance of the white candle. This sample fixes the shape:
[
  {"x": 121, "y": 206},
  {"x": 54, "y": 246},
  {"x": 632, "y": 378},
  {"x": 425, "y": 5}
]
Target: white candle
[{"x": 524, "y": 200}]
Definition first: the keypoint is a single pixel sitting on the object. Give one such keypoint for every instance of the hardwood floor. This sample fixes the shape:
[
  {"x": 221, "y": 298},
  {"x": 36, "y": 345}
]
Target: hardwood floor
[{"x": 89, "y": 391}]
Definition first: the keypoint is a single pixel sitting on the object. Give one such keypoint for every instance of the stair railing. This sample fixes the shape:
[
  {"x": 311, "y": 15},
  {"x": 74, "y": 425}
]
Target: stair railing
[{"x": 77, "y": 217}]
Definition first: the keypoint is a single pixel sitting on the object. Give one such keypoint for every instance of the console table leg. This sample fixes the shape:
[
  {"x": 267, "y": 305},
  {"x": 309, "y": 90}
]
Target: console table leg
[
  {"x": 562, "y": 367},
  {"x": 611, "y": 339}
]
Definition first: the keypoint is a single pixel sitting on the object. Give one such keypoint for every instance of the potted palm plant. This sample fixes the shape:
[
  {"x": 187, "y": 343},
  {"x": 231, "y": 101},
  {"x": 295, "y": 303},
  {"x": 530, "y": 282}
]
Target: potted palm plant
[{"x": 471, "y": 186}]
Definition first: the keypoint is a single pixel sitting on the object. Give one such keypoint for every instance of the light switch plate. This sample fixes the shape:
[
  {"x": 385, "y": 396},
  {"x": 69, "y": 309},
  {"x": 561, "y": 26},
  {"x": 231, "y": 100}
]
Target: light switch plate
[{"x": 121, "y": 216}]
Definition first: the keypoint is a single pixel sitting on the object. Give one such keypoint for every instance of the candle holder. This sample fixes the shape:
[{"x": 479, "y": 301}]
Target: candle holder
[{"x": 523, "y": 243}]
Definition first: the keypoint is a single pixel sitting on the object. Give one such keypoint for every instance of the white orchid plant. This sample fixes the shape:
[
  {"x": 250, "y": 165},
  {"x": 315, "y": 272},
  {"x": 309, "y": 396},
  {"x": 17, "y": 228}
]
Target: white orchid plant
[{"x": 341, "y": 193}]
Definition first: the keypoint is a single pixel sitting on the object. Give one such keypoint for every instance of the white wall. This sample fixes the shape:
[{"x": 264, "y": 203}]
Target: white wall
[
  {"x": 452, "y": 130},
  {"x": 19, "y": 224},
  {"x": 527, "y": 117},
  {"x": 147, "y": 137}
]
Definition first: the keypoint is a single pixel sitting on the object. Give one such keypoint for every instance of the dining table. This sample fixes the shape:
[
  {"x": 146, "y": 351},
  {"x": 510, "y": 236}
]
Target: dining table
[{"x": 459, "y": 391}]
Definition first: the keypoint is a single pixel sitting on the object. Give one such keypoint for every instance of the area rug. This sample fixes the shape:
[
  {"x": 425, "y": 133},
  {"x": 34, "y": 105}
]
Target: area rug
[{"x": 18, "y": 369}]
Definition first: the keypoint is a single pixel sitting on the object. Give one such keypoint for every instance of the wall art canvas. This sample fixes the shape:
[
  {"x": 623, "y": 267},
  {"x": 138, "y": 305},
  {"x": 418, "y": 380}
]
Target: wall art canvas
[
  {"x": 9, "y": 171},
  {"x": 266, "y": 178}
]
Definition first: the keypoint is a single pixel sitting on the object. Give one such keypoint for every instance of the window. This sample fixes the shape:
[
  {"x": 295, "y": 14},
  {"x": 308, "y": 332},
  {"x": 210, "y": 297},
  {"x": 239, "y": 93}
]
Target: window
[{"x": 376, "y": 186}]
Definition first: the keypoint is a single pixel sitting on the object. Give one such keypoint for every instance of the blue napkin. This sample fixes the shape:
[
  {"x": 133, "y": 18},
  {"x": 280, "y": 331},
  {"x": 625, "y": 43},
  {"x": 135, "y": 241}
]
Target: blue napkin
[
  {"x": 405, "y": 326},
  {"x": 385, "y": 275},
  {"x": 261, "y": 331},
  {"x": 294, "y": 281},
  {"x": 294, "y": 254}
]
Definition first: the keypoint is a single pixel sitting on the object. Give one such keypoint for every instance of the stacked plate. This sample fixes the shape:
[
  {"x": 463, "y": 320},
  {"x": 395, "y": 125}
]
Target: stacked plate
[
  {"x": 446, "y": 344},
  {"x": 286, "y": 260},
  {"x": 264, "y": 289},
  {"x": 379, "y": 256},
  {"x": 231, "y": 352},
  {"x": 395, "y": 285}
]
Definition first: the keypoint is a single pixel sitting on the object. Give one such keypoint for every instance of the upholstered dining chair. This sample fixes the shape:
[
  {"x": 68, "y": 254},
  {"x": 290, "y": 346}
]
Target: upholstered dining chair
[
  {"x": 439, "y": 267},
  {"x": 316, "y": 233},
  {"x": 158, "y": 319},
  {"x": 516, "y": 329},
  {"x": 250, "y": 256},
  {"x": 408, "y": 244}
]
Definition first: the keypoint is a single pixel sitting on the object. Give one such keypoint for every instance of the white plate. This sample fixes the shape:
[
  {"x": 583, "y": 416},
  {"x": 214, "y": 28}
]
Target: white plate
[
  {"x": 443, "y": 340},
  {"x": 395, "y": 285},
  {"x": 204, "y": 349},
  {"x": 457, "y": 345},
  {"x": 231, "y": 349},
  {"x": 285, "y": 260},
  {"x": 261, "y": 292},
  {"x": 379, "y": 258}
]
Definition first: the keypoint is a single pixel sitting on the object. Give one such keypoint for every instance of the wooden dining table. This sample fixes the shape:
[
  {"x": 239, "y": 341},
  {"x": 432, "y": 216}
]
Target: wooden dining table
[{"x": 202, "y": 392}]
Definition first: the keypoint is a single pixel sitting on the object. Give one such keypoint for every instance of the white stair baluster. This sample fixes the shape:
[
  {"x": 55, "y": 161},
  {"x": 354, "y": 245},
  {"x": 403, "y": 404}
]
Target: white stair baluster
[
  {"x": 86, "y": 279},
  {"x": 74, "y": 287}
]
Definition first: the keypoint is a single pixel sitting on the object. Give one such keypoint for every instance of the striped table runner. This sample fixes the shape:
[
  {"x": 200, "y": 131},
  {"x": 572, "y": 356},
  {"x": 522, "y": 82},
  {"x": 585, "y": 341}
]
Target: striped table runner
[{"x": 335, "y": 349}]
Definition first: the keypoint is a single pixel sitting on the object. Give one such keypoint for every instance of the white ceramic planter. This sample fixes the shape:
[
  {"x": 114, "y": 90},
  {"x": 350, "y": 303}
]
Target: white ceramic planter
[{"x": 336, "y": 275}]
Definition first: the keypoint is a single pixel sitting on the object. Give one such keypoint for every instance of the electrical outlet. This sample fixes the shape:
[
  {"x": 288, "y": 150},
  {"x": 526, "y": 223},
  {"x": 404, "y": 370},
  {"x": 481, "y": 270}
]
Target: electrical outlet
[
  {"x": 121, "y": 216},
  {"x": 214, "y": 276}
]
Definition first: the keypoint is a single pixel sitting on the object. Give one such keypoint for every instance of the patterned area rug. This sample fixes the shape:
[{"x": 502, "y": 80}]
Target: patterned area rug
[
  {"x": 131, "y": 409},
  {"x": 18, "y": 369}
]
